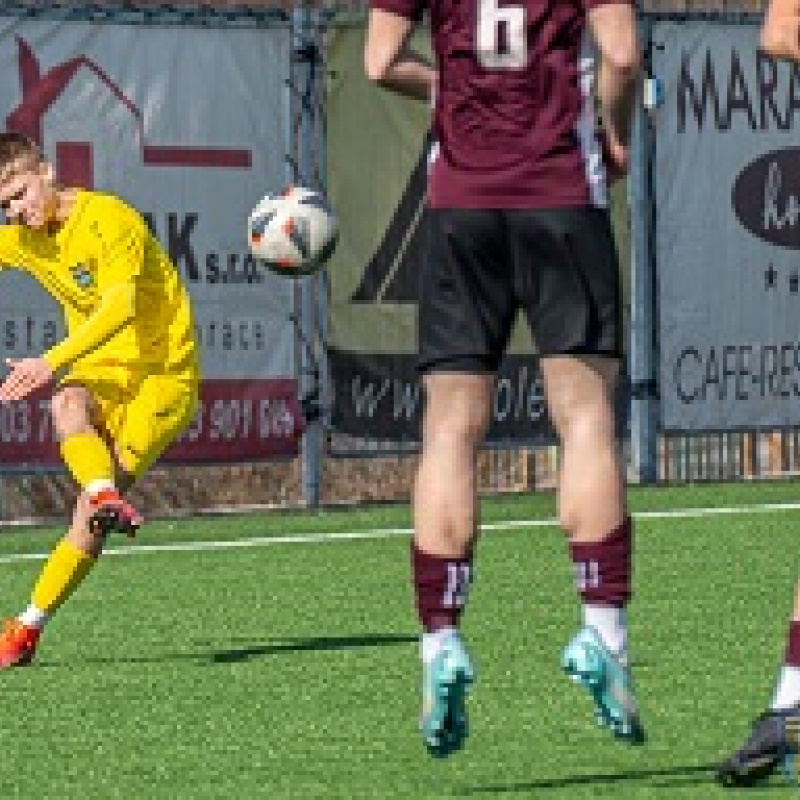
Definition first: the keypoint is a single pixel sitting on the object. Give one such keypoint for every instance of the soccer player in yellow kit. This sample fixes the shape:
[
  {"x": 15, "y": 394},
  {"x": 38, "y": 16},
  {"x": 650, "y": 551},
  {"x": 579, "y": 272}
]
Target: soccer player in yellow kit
[{"x": 125, "y": 379}]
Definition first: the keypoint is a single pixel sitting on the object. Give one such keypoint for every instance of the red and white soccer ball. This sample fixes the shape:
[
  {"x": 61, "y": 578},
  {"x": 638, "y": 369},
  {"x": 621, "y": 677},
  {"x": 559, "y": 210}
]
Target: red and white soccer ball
[{"x": 294, "y": 232}]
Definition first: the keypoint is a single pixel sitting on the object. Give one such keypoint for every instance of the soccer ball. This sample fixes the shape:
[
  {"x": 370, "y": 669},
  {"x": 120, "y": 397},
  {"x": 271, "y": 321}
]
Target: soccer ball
[{"x": 294, "y": 232}]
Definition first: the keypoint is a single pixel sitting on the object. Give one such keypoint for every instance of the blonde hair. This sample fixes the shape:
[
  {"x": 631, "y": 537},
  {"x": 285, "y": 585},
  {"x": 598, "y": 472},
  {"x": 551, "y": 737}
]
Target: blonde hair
[{"x": 16, "y": 146}]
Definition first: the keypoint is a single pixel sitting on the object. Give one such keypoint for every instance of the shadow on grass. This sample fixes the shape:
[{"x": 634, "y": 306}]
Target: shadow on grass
[
  {"x": 692, "y": 775},
  {"x": 314, "y": 643},
  {"x": 236, "y": 654}
]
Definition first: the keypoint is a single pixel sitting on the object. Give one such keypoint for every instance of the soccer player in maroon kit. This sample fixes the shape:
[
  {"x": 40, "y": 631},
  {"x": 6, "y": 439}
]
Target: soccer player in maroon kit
[
  {"x": 775, "y": 737},
  {"x": 518, "y": 220}
]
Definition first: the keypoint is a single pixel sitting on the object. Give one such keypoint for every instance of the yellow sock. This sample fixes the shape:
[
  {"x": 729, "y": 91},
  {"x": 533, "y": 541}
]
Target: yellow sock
[
  {"x": 64, "y": 570},
  {"x": 88, "y": 458}
]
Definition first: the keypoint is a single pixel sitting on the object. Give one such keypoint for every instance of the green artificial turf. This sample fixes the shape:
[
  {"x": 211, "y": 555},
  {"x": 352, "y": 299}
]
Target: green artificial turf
[{"x": 291, "y": 670}]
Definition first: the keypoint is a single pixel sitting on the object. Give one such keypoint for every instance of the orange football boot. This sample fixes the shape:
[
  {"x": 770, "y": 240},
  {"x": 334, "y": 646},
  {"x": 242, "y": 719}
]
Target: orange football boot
[
  {"x": 113, "y": 514},
  {"x": 17, "y": 643}
]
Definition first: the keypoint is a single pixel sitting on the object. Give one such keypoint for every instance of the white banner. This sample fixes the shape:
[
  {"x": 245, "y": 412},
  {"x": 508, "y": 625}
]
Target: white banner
[
  {"x": 189, "y": 125},
  {"x": 727, "y": 183}
]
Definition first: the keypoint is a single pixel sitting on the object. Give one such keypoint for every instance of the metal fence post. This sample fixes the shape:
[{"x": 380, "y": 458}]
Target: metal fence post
[
  {"x": 307, "y": 57},
  {"x": 643, "y": 357}
]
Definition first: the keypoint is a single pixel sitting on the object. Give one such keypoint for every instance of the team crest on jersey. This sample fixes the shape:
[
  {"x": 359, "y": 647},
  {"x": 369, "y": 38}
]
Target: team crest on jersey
[{"x": 82, "y": 275}]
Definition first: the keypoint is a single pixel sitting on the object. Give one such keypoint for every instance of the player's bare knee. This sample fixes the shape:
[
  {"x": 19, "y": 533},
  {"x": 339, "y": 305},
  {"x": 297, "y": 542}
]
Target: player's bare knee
[
  {"x": 70, "y": 409},
  {"x": 459, "y": 423},
  {"x": 454, "y": 434},
  {"x": 457, "y": 406},
  {"x": 590, "y": 424}
]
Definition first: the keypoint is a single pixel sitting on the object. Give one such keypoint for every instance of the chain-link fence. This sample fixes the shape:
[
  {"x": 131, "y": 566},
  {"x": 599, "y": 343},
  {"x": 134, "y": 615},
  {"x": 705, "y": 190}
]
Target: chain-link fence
[{"x": 360, "y": 471}]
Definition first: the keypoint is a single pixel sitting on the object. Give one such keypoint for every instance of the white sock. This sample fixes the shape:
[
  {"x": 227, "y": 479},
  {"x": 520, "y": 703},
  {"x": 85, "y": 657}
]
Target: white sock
[
  {"x": 612, "y": 625},
  {"x": 34, "y": 617},
  {"x": 100, "y": 485},
  {"x": 787, "y": 692},
  {"x": 431, "y": 643}
]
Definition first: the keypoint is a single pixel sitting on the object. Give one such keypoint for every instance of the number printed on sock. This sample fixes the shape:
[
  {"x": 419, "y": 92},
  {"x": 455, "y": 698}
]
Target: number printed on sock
[
  {"x": 458, "y": 580},
  {"x": 587, "y": 575}
]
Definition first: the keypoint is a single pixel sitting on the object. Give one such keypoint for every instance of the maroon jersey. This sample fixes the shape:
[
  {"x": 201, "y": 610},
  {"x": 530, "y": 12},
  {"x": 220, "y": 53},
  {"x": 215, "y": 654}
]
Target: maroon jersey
[{"x": 514, "y": 120}]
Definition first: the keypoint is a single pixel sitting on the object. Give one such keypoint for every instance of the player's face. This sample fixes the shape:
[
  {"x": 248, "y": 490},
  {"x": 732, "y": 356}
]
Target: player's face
[{"x": 27, "y": 193}]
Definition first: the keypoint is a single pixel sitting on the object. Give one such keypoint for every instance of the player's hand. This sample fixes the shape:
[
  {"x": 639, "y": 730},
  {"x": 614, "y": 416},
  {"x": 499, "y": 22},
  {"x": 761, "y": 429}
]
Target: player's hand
[
  {"x": 615, "y": 156},
  {"x": 780, "y": 31},
  {"x": 25, "y": 377}
]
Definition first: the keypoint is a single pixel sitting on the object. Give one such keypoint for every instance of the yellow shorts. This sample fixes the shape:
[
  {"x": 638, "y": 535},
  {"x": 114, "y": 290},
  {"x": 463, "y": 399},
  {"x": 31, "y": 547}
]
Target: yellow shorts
[{"x": 140, "y": 419}]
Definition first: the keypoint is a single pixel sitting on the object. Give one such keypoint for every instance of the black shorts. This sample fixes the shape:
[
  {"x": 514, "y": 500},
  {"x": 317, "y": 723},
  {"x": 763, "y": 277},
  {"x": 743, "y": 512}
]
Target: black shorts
[{"x": 559, "y": 266}]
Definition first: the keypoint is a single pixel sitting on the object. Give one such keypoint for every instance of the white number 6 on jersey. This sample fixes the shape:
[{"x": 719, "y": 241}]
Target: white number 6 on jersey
[{"x": 495, "y": 24}]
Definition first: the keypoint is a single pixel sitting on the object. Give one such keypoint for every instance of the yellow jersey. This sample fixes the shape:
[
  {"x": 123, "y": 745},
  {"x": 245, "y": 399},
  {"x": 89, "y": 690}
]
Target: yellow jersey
[{"x": 127, "y": 311}]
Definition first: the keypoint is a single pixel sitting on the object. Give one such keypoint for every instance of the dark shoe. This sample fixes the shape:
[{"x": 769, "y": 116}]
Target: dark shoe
[{"x": 773, "y": 743}]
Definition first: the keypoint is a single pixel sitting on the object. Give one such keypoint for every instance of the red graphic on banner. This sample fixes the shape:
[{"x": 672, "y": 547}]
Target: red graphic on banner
[
  {"x": 242, "y": 419},
  {"x": 237, "y": 420},
  {"x": 74, "y": 163}
]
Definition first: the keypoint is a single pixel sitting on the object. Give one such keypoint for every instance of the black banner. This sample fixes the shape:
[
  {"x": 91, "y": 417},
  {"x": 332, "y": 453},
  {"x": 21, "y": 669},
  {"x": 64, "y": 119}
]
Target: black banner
[{"x": 379, "y": 396}]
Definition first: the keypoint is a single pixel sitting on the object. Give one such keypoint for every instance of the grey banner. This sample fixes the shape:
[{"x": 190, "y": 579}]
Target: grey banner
[
  {"x": 727, "y": 193},
  {"x": 190, "y": 125}
]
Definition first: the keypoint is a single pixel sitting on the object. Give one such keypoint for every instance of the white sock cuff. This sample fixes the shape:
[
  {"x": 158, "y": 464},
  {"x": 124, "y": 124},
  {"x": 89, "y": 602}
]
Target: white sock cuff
[
  {"x": 787, "y": 691},
  {"x": 100, "y": 485},
  {"x": 34, "y": 617},
  {"x": 431, "y": 643},
  {"x": 612, "y": 625}
]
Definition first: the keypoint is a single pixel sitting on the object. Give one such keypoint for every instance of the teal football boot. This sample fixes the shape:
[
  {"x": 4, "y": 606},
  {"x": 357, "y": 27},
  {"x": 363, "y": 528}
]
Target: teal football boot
[
  {"x": 591, "y": 664},
  {"x": 445, "y": 681}
]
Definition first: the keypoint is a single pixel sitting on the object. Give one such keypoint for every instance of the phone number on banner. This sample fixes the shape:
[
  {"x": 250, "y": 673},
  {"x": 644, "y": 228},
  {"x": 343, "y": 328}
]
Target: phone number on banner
[{"x": 236, "y": 419}]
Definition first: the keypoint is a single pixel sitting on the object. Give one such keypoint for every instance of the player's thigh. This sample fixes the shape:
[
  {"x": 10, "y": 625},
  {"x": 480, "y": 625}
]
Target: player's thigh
[
  {"x": 466, "y": 300},
  {"x": 161, "y": 408},
  {"x": 567, "y": 278}
]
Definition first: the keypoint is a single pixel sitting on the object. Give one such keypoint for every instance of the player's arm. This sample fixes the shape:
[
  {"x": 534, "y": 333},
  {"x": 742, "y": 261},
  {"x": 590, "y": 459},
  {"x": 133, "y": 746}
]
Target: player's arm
[
  {"x": 387, "y": 58},
  {"x": 613, "y": 26},
  {"x": 26, "y": 375},
  {"x": 120, "y": 264},
  {"x": 115, "y": 310},
  {"x": 780, "y": 30},
  {"x": 119, "y": 267}
]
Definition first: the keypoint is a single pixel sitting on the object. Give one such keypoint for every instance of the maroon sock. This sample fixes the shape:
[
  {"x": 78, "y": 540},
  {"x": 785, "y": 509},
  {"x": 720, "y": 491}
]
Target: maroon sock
[
  {"x": 792, "y": 657},
  {"x": 603, "y": 569},
  {"x": 441, "y": 584}
]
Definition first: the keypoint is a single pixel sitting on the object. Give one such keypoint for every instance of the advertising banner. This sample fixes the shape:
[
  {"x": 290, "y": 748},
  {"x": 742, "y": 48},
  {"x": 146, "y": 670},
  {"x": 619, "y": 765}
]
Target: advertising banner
[
  {"x": 189, "y": 125},
  {"x": 727, "y": 193},
  {"x": 376, "y": 179}
]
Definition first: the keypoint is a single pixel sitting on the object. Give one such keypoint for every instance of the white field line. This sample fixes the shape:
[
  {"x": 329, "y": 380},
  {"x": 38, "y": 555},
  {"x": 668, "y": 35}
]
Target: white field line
[{"x": 382, "y": 533}]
